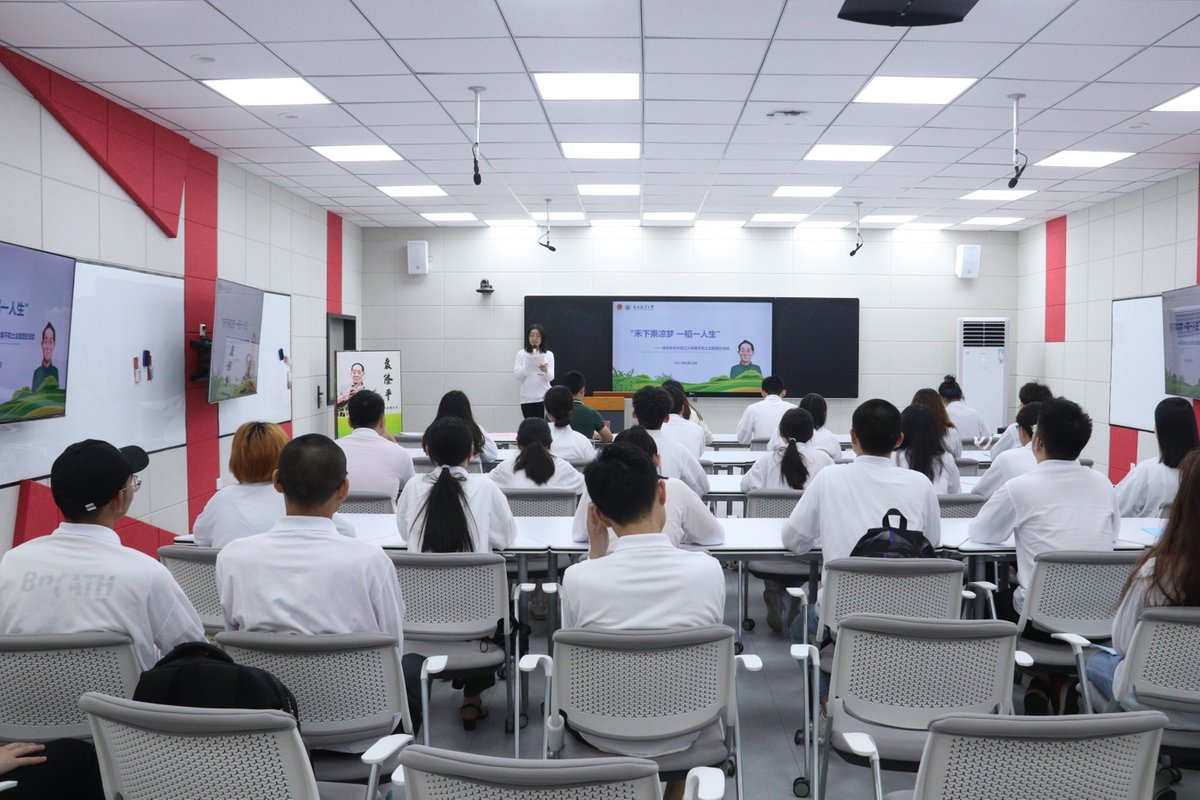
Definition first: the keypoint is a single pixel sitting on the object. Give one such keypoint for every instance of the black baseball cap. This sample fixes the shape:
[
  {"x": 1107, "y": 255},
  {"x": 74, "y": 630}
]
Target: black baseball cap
[{"x": 88, "y": 474}]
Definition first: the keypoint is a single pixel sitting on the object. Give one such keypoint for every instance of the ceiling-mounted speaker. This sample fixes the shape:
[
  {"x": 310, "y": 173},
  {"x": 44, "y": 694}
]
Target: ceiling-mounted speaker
[{"x": 906, "y": 13}]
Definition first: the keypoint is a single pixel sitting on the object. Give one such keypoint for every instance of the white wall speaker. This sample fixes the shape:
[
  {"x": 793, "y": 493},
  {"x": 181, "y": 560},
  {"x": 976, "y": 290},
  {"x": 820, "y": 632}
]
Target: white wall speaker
[
  {"x": 966, "y": 260},
  {"x": 418, "y": 257}
]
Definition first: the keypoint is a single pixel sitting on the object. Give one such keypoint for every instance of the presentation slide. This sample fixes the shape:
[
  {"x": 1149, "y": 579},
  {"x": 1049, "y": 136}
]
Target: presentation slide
[
  {"x": 35, "y": 332},
  {"x": 1181, "y": 341},
  {"x": 708, "y": 346},
  {"x": 237, "y": 331}
]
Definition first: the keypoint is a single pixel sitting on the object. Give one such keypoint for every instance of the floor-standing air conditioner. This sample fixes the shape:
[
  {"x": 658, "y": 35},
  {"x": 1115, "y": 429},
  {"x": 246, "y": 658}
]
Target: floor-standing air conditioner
[{"x": 982, "y": 371}]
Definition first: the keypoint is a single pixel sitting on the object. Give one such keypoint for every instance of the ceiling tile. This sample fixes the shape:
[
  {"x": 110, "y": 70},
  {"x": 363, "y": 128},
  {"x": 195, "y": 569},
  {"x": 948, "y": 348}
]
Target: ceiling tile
[
  {"x": 332, "y": 136},
  {"x": 577, "y": 18},
  {"x": 817, "y": 19},
  {"x": 298, "y": 20},
  {"x": 372, "y": 89},
  {"x": 692, "y": 111},
  {"x": 798, "y": 91},
  {"x": 581, "y": 54},
  {"x": 261, "y": 137},
  {"x": 1123, "y": 96},
  {"x": 270, "y": 155},
  {"x": 52, "y": 25},
  {"x": 1117, "y": 22},
  {"x": 674, "y": 86},
  {"x": 430, "y": 18},
  {"x": 147, "y": 22},
  {"x": 500, "y": 86},
  {"x": 809, "y": 57},
  {"x": 313, "y": 116},
  {"x": 683, "y": 150},
  {"x": 729, "y": 56},
  {"x": 459, "y": 55},
  {"x": 504, "y": 112},
  {"x": 1010, "y": 21},
  {"x": 357, "y": 57},
  {"x": 945, "y": 59},
  {"x": 1063, "y": 62},
  {"x": 109, "y": 64},
  {"x": 873, "y": 115},
  {"x": 583, "y": 111},
  {"x": 165, "y": 94},
  {"x": 1160, "y": 65},
  {"x": 227, "y": 118},
  {"x": 229, "y": 61},
  {"x": 397, "y": 113},
  {"x": 675, "y": 132},
  {"x": 1069, "y": 120},
  {"x": 696, "y": 19}
]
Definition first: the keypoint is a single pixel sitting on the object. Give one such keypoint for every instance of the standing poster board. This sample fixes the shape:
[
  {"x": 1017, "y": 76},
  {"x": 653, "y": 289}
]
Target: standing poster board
[
  {"x": 1136, "y": 380},
  {"x": 376, "y": 370},
  {"x": 273, "y": 401}
]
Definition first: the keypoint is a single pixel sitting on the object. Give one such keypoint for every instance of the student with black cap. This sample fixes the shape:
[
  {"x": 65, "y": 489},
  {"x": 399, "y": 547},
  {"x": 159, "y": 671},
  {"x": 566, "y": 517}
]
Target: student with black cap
[{"x": 80, "y": 578}]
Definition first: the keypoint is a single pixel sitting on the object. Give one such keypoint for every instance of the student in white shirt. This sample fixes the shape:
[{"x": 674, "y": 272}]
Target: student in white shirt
[
  {"x": 450, "y": 511},
  {"x": 951, "y": 439},
  {"x": 1168, "y": 574},
  {"x": 301, "y": 576},
  {"x": 922, "y": 451},
  {"x": 645, "y": 583},
  {"x": 80, "y": 578},
  {"x": 1012, "y": 463},
  {"x": 688, "y": 520},
  {"x": 690, "y": 412},
  {"x": 970, "y": 423},
  {"x": 760, "y": 420},
  {"x": 567, "y": 443},
  {"x": 535, "y": 467},
  {"x": 677, "y": 428},
  {"x": 651, "y": 407},
  {"x": 1032, "y": 392},
  {"x": 455, "y": 403},
  {"x": 376, "y": 463},
  {"x": 822, "y": 439},
  {"x": 534, "y": 384},
  {"x": 1153, "y": 482},
  {"x": 1060, "y": 505},
  {"x": 794, "y": 463}
]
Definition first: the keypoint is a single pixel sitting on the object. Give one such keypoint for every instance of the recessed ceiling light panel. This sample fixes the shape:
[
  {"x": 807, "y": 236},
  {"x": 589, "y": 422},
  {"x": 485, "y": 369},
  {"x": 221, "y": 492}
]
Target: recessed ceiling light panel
[
  {"x": 588, "y": 85},
  {"x": 616, "y": 223},
  {"x": 1004, "y": 195},
  {"x": 847, "y": 152},
  {"x": 268, "y": 91},
  {"x": 627, "y": 150},
  {"x": 888, "y": 219},
  {"x": 559, "y": 216},
  {"x": 610, "y": 189},
  {"x": 773, "y": 217},
  {"x": 915, "y": 91},
  {"x": 450, "y": 216},
  {"x": 1188, "y": 101},
  {"x": 806, "y": 191},
  {"x": 669, "y": 216},
  {"x": 428, "y": 190},
  {"x": 924, "y": 226},
  {"x": 510, "y": 223},
  {"x": 358, "y": 152},
  {"x": 993, "y": 221},
  {"x": 1082, "y": 159}
]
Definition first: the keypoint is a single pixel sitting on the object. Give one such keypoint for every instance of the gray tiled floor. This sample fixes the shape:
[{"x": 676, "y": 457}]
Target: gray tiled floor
[{"x": 770, "y": 709}]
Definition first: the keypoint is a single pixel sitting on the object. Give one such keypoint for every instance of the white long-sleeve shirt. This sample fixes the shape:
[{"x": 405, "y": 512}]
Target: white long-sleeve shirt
[
  {"x": 374, "y": 464},
  {"x": 1146, "y": 488},
  {"x": 946, "y": 478},
  {"x": 686, "y": 433},
  {"x": 245, "y": 509},
  {"x": 761, "y": 420},
  {"x": 678, "y": 462},
  {"x": 952, "y": 441},
  {"x": 568, "y": 443},
  {"x": 1009, "y": 440},
  {"x": 825, "y": 440},
  {"x": 688, "y": 520},
  {"x": 81, "y": 579},
  {"x": 766, "y": 472},
  {"x": 533, "y": 384},
  {"x": 565, "y": 476},
  {"x": 488, "y": 515},
  {"x": 970, "y": 423},
  {"x": 1060, "y": 505},
  {"x": 1004, "y": 468}
]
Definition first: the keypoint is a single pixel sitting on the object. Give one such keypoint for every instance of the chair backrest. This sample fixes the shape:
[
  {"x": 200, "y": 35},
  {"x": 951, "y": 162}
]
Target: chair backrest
[
  {"x": 195, "y": 570},
  {"x": 45, "y": 675},
  {"x": 960, "y": 505},
  {"x": 422, "y": 464},
  {"x": 368, "y": 503},
  {"x": 433, "y": 774},
  {"x": 772, "y": 502},
  {"x": 1074, "y": 591},
  {"x": 1161, "y": 662},
  {"x": 905, "y": 673},
  {"x": 968, "y": 467},
  {"x": 541, "y": 502},
  {"x": 348, "y": 686},
  {"x": 922, "y": 588},
  {"x": 759, "y": 445},
  {"x": 409, "y": 438},
  {"x": 150, "y": 751},
  {"x": 642, "y": 685},
  {"x": 1101, "y": 757},
  {"x": 452, "y": 596}
]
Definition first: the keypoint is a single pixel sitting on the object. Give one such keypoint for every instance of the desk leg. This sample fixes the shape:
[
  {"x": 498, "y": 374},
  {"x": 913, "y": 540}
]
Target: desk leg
[
  {"x": 743, "y": 589},
  {"x": 551, "y": 605},
  {"x": 978, "y": 572},
  {"x": 814, "y": 578}
]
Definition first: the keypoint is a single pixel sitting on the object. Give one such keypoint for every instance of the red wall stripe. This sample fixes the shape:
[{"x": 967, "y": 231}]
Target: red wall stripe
[
  {"x": 1056, "y": 280},
  {"x": 333, "y": 263},
  {"x": 1122, "y": 451}
]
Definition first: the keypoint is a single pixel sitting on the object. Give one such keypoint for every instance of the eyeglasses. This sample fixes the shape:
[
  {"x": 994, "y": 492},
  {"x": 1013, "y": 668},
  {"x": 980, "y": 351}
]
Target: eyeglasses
[{"x": 134, "y": 486}]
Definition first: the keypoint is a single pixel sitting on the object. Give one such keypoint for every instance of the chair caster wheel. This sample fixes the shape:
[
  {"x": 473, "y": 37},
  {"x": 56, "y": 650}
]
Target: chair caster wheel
[
  {"x": 800, "y": 787},
  {"x": 524, "y": 721},
  {"x": 738, "y": 648},
  {"x": 730, "y": 767},
  {"x": 747, "y": 624},
  {"x": 798, "y": 736}
]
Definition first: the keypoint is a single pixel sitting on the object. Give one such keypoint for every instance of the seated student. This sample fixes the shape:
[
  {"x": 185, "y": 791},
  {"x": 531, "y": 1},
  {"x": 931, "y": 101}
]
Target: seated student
[
  {"x": 455, "y": 403},
  {"x": 1012, "y": 463},
  {"x": 1032, "y": 392},
  {"x": 921, "y": 450},
  {"x": 535, "y": 467},
  {"x": 62, "y": 768},
  {"x": 760, "y": 420},
  {"x": 645, "y": 583},
  {"x": 1060, "y": 505},
  {"x": 376, "y": 463},
  {"x": 951, "y": 439},
  {"x": 1167, "y": 575},
  {"x": 970, "y": 423},
  {"x": 450, "y": 511},
  {"x": 690, "y": 412},
  {"x": 567, "y": 443},
  {"x": 301, "y": 576},
  {"x": 794, "y": 463},
  {"x": 651, "y": 407},
  {"x": 688, "y": 520},
  {"x": 1153, "y": 482},
  {"x": 677, "y": 428},
  {"x": 823, "y": 439},
  {"x": 586, "y": 419},
  {"x": 80, "y": 578}
]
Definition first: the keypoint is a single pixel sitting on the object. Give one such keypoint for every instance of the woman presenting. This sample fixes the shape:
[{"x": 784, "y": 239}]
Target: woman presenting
[{"x": 534, "y": 368}]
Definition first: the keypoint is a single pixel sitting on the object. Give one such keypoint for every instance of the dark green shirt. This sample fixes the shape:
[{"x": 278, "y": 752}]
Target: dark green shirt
[
  {"x": 40, "y": 374},
  {"x": 739, "y": 368},
  {"x": 586, "y": 419}
]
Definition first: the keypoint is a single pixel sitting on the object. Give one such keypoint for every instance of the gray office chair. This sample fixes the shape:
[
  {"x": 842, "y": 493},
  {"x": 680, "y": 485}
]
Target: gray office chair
[
  {"x": 422, "y": 464},
  {"x": 967, "y": 467},
  {"x": 348, "y": 687},
  {"x": 759, "y": 445},
  {"x": 541, "y": 502},
  {"x": 45, "y": 675},
  {"x": 918, "y": 588},
  {"x": 409, "y": 438},
  {"x": 960, "y": 505},
  {"x": 772, "y": 502},
  {"x": 178, "y": 753},
  {"x": 195, "y": 570},
  {"x": 788, "y": 571},
  {"x": 368, "y": 503}
]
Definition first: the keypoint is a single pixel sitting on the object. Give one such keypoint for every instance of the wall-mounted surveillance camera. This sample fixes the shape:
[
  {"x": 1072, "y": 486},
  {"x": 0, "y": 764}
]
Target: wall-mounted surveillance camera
[{"x": 485, "y": 287}]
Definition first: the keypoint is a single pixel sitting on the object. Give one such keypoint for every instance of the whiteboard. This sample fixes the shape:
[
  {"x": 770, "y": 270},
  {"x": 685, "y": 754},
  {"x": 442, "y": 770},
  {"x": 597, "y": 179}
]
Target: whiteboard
[
  {"x": 1136, "y": 382},
  {"x": 273, "y": 402},
  {"x": 117, "y": 314}
]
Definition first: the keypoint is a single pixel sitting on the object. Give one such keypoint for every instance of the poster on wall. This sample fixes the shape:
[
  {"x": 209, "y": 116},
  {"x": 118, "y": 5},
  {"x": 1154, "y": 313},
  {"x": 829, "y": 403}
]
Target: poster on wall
[
  {"x": 237, "y": 331},
  {"x": 36, "y": 289},
  {"x": 1181, "y": 341},
  {"x": 374, "y": 370}
]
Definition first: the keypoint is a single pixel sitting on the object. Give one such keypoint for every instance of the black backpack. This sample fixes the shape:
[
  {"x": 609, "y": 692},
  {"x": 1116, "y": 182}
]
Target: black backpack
[
  {"x": 893, "y": 541},
  {"x": 202, "y": 675}
]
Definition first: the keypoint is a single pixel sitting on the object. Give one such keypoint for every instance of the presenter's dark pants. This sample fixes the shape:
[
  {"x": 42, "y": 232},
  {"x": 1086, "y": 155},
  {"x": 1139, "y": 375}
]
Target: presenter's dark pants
[{"x": 537, "y": 410}]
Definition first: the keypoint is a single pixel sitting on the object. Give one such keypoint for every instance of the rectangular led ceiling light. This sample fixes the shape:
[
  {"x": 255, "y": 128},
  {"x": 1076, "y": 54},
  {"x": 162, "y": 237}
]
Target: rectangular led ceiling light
[
  {"x": 358, "y": 152},
  {"x": 449, "y": 216},
  {"x": 1083, "y": 159},
  {"x": 559, "y": 216},
  {"x": 669, "y": 216},
  {"x": 588, "y": 85},
  {"x": 995, "y": 221},
  {"x": 888, "y": 219},
  {"x": 268, "y": 91},
  {"x": 412, "y": 191},
  {"x": 793, "y": 218},
  {"x": 914, "y": 91},
  {"x": 609, "y": 189},
  {"x": 601, "y": 150},
  {"x": 847, "y": 152},
  {"x": 1188, "y": 101},
  {"x": 1006, "y": 195},
  {"x": 806, "y": 191}
]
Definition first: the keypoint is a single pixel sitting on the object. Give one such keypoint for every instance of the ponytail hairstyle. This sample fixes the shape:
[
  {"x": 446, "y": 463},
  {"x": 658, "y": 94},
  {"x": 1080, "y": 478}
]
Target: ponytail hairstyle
[
  {"x": 1175, "y": 428},
  {"x": 933, "y": 401},
  {"x": 560, "y": 405},
  {"x": 950, "y": 390},
  {"x": 796, "y": 427},
  {"x": 922, "y": 445},
  {"x": 455, "y": 403},
  {"x": 1176, "y": 571},
  {"x": 533, "y": 437},
  {"x": 446, "y": 528}
]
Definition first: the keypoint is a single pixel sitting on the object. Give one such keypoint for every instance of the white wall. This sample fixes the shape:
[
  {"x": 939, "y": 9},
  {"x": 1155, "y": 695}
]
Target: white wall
[
  {"x": 1141, "y": 243},
  {"x": 453, "y": 337}
]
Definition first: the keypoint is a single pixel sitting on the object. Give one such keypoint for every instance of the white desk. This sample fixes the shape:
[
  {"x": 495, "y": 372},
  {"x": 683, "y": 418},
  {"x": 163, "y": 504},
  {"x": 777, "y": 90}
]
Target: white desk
[
  {"x": 728, "y": 460},
  {"x": 726, "y": 441}
]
